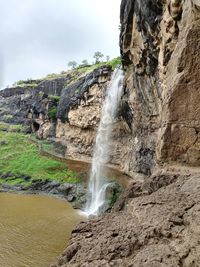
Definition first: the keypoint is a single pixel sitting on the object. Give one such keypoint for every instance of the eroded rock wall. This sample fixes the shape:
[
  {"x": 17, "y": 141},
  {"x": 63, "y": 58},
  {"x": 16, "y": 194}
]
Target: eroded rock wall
[
  {"x": 30, "y": 102},
  {"x": 178, "y": 138},
  {"x": 77, "y": 133},
  {"x": 76, "y": 114},
  {"x": 160, "y": 52}
]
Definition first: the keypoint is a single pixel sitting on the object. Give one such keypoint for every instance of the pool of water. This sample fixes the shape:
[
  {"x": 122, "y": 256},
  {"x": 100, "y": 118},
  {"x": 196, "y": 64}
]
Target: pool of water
[
  {"x": 34, "y": 229},
  {"x": 83, "y": 170}
]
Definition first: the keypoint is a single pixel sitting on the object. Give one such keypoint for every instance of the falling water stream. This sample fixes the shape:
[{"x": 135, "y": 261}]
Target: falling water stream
[{"x": 97, "y": 182}]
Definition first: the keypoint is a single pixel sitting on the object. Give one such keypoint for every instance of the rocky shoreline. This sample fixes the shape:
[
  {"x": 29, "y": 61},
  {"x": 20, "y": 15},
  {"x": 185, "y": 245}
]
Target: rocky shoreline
[{"x": 76, "y": 194}]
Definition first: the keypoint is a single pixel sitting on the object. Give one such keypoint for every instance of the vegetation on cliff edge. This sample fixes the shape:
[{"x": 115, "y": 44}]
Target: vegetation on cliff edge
[{"x": 75, "y": 72}]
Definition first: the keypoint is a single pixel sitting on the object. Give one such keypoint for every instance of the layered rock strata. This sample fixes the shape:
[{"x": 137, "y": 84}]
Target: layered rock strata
[{"x": 160, "y": 50}]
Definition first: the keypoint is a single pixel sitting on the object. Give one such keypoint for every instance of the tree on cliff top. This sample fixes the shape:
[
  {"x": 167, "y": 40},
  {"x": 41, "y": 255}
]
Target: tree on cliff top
[
  {"x": 97, "y": 56},
  {"x": 85, "y": 62},
  {"x": 72, "y": 64}
]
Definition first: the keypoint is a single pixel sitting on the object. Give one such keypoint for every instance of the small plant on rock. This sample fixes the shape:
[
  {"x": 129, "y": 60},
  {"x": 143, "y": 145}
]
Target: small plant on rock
[{"x": 52, "y": 114}]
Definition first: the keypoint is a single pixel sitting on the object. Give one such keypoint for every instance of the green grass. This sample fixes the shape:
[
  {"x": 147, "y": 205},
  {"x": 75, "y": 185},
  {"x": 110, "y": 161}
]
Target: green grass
[
  {"x": 10, "y": 127},
  {"x": 28, "y": 85},
  {"x": 80, "y": 70},
  {"x": 45, "y": 144},
  {"x": 113, "y": 63},
  {"x": 21, "y": 157},
  {"x": 15, "y": 181}
]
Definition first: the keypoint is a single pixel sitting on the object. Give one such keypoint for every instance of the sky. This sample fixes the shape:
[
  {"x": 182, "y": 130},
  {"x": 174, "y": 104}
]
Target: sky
[{"x": 39, "y": 37}]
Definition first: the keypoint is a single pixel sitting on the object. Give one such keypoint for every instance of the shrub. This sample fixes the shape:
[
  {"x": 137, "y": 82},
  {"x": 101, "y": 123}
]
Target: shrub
[
  {"x": 72, "y": 64},
  {"x": 52, "y": 75},
  {"x": 114, "y": 62},
  {"x": 55, "y": 98},
  {"x": 52, "y": 114},
  {"x": 85, "y": 62},
  {"x": 20, "y": 82}
]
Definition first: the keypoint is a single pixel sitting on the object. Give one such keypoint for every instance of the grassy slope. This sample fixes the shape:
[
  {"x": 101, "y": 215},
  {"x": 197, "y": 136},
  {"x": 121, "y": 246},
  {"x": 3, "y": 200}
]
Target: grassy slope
[{"x": 19, "y": 156}]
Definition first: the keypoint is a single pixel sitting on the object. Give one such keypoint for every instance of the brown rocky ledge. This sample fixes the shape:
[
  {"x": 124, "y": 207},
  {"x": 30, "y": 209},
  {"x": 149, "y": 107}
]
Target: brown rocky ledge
[{"x": 159, "y": 226}]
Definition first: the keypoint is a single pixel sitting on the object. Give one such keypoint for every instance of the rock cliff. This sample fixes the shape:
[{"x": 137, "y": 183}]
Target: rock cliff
[
  {"x": 65, "y": 108},
  {"x": 160, "y": 50},
  {"x": 19, "y": 104}
]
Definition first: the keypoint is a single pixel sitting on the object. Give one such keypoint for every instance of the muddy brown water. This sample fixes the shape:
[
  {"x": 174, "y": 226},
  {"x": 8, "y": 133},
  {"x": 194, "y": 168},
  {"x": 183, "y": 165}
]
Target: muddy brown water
[
  {"x": 34, "y": 229},
  {"x": 83, "y": 168}
]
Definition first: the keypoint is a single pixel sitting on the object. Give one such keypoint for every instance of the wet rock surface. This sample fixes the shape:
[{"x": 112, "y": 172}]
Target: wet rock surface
[
  {"x": 73, "y": 94},
  {"x": 159, "y": 43}
]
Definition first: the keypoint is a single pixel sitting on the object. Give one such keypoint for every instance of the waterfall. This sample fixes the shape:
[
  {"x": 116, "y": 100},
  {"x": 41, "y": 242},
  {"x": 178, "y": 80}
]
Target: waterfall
[{"x": 97, "y": 182}]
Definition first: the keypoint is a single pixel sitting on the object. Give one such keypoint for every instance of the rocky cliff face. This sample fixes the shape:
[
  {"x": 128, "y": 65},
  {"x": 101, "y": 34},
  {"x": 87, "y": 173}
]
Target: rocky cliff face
[
  {"x": 79, "y": 113},
  {"x": 158, "y": 121},
  {"x": 160, "y": 50},
  {"x": 66, "y": 109},
  {"x": 21, "y": 104},
  {"x": 72, "y": 101}
]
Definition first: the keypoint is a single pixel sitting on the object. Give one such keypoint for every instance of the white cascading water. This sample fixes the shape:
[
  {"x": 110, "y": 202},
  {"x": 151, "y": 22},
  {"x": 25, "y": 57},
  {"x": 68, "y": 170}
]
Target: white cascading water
[{"x": 97, "y": 182}]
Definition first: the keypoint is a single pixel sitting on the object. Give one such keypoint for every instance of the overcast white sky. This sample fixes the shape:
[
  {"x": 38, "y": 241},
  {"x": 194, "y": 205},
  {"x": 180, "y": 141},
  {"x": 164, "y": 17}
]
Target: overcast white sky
[{"x": 40, "y": 36}]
